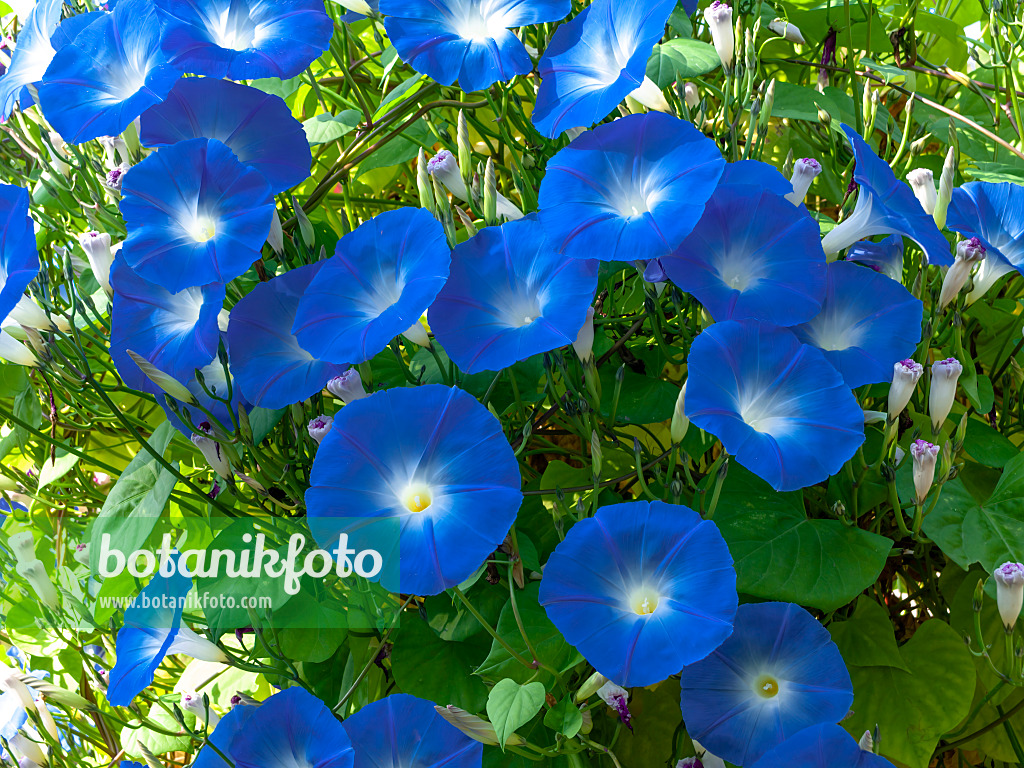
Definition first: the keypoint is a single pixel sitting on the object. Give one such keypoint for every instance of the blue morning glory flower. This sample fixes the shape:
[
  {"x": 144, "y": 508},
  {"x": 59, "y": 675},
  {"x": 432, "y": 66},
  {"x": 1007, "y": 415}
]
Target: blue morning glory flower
[
  {"x": 152, "y": 629},
  {"x": 69, "y": 28},
  {"x": 381, "y": 280},
  {"x": 244, "y": 39},
  {"x": 258, "y": 127},
  {"x": 32, "y": 55},
  {"x": 821, "y": 746},
  {"x": 19, "y": 260},
  {"x": 631, "y": 189},
  {"x": 885, "y": 256},
  {"x": 641, "y": 589},
  {"x": 435, "y": 459},
  {"x": 885, "y": 205},
  {"x": 291, "y": 728},
  {"x": 176, "y": 332},
  {"x": 993, "y": 213},
  {"x": 758, "y": 174},
  {"x": 595, "y": 61},
  {"x": 271, "y": 369},
  {"x": 195, "y": 215},
  {"x": 776, "y": 404},
  {"x": 109, "y": 75},
  {"x": 777, "y": 674},
  {"x": 510, "y": 296},
  {"x": 868, "y": 322},
  {"x": 402, "y": 730},
  {"x": 753, "y": 255},
  {"x": 466, "y": 40}
]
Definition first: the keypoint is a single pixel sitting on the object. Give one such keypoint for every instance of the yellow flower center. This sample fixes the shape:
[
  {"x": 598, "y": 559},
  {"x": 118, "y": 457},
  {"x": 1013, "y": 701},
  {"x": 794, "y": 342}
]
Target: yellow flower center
[
  {"x": 417, "y": 498},
  {"x": 767, "y": 687},
  {"x": 204, "y": 230},
  {"x": 644, "y": 602}
]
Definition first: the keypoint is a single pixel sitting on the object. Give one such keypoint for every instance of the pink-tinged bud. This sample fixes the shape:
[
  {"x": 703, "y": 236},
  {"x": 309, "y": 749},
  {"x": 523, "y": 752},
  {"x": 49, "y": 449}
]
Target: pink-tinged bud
[
  {"x": 81, "y": 554},
  {"x": 212, "y": 451},
  {"x": 193, "y": 702},
  {"x": 97, "y": 248},
  {"x": 691, "y": 95},
  {"x": 348, "y": 387},
  {"x": 690, "y": 762},
  {"x": 925, "y": 455},
  {"x": 718, "y": 15},
  {"x": 445, "y": 167},
  {"x": 968, "y": 253},
  {"x": 241, "y": 699},
  {"x": 805, "y": 170},
  {"x": 922, "y": 181},
  {"x": 584, "y": 344},
  {"x": 867, "y": 742},
  {"x": 945, "y": 374},
  {"x": 320, "y": 427},
  {"x": 1009, "y": 592},
  {"x": 616, "y": 697},
  {"x": 905, "y": 375},
  {"x": 788, "y": 30},
  {"x": 115, "y": 178}
]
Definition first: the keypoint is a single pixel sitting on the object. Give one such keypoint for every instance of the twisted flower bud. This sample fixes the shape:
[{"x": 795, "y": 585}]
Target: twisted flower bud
[
  {"x": 718, "y": 15},
  {"x": 925, "y": 455}
]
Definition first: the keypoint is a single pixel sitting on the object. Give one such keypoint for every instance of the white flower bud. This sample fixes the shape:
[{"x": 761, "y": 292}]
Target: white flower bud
[
  {"x": 212, "y": 451},
  {"x": 968, "y": 253},
  {"x": 805, "y": 170},
  {"x": 198, "y": 647},
  {"x": 357, "y": 6},
  {"x": 348, "y": 387},
  {"x": 867, "y": 742},
  {"x": 680, "y": 424},
  {"x": 191, "y": 701},
  {"x": 1009, "y": 592},
  {"x": 13, "y": 351},
  {"x": 584, "y": 344},
  {"x": 925, "y": 455},
  {"x": 898, "y": 455},
  {"x": 874, "y": 417},
  {"x": 276, "y": 236},
  {"x": 945, "y": 188},
  {"x": 718, "y": 16},
  {"x": 46, "y": 718},
  {"x": 922, "y": 181},
  {"x": 905, "y": 375},
  {"x": 27, "y": 749},
  {"x": 30, "y": 315},
  {"x": 115, "y": 178},
  {"x": 81, "y": 554},
  {"x": 115, "y": 151},
  {"x": 24, "y": 547},
  {"x": 591, "y": 686},
  {"x": 97, "y": 247},
  {"x": 445, "y": 167},
  {"x": 10, "y": 680},
  {"x": 691, "y": 95},
  {"x": 788, "y": 30},
  {"x": 945, "y": 374},
  {"x": 320, "y": 427}
]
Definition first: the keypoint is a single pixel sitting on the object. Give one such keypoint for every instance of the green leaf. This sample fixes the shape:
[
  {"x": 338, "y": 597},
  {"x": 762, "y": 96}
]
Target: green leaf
[
  {"x": 511, "y": 705},
  {"x": 551, "y": 647},
  {"x": 278, "y": 87},
  {"x": 263, "y": 421},
  {"x": 914, "y": 708},
  {"x": 56, "y": 469},
  {"x": 681, "y": 59},
  {"x": 989, "y": 533},
  {"x": 643, "y": 400},
  {"x": 399, "y": 150},
  {"x": 781, "y": 554},
  {"x": 410, "y": 87},
  {"x": 679, "y": 20},
  {"x": 157, "y": 742},
  {"x": 987, "y": 446},
  {"x": 137, "y": 499},
  {"x": 866, "y": 638},
  {"x": 799, "y": 102},
  {"x": 426, "y": 666},
  {"x": 890, "y": 73},
  {"x": 565, "y": 717},
  {"x": 13, "y": 380},
  {"x": 325, "y": 128}
]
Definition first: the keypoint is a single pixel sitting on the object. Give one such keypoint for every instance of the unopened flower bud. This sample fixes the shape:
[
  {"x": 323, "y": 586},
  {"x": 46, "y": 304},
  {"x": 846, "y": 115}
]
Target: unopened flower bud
[
  {"x": 423, "y": 184},
  {"x": 97, "y": 248},
  {"x": 27, "y": 749},
  {"x": 867, "y": 742},
  {"x": 691, "y": 95},
  {"x": 788, "y": 30},
  {"x": 617, "y": 698},
  {"x": 320, "y": 427},
  {"x": 945, "y": 374},
  {"x": 476, "y": 728},
  {"x": 14, "y": 351},
  {"x": 925, "y": 455},
  {"x": 24, "y": 547},
  {"x": 1009, "y": 592},
  {"x": 199, "y": 706},
  {"x": 805, "y": 170},
  {"x": 10, "y": 680},
  {"x": 584, "y": 344},
  {"x": 115, "y": 178},
  {"x": 81, "y": 554},
  {"x": 211, "y": 449},
  {"x": 35, "y": 574},
  {"x": 922, "y": 181},
  {"x": 348, "y": 387},
  {"x": 47, "y": 721},
  {"x": 968, "y": 253},
  {"x": 591, "y": 686},
  {"x": 905, "y": 375},
  {"x": 945, "y": 188},
  {"x": 679, "y": 424},
  {"x": 651, "y": 96},
  {"x": 275, "y": 238},
  {"x": 718, "y": 16}
]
